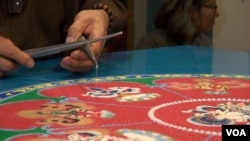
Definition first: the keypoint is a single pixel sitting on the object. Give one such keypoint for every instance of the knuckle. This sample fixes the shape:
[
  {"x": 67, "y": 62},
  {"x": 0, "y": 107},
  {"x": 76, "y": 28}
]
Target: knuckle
[
  {"x": 9, "y": 67},
  {"x": 9, "y": 50},
  {"x": 73, "y": 29}
]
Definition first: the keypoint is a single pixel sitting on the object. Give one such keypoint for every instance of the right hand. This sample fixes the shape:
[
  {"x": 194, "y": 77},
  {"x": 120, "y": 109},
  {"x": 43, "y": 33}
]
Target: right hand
[
  {"x": 94, "y": 24},
  {"x": 11, "y": 57}
]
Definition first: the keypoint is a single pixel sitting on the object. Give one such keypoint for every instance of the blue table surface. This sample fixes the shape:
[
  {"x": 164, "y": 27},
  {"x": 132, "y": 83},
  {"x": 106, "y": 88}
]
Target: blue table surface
[{"x": 169, "y": 60}]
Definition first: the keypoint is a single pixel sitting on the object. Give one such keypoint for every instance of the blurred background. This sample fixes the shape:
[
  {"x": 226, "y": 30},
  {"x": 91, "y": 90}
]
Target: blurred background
[{"x": 231, "y": 30}]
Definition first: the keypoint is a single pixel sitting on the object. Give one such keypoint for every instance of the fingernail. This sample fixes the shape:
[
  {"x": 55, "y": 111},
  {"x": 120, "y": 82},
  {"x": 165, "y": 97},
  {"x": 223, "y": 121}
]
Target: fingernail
[
  {"x": 30, "y": 64},
  {"x": 68, "y": 63}
]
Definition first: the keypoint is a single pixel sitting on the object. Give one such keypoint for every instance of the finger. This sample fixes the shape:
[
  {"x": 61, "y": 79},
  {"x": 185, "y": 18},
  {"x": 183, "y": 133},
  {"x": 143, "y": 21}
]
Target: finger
[
  {"x": 96, "y": 32},
  {"x": 88, "y": 22},
  {"x": 77, "y": 70},
  {"x": 75, "y": 65},
  {"x": 23, "y": 58},
  {"x": 11, "y": 52},
  {"x": 75, "y": 31},
  {"x": 7, "y": 65},
  {"x": 81, "y": 57}
]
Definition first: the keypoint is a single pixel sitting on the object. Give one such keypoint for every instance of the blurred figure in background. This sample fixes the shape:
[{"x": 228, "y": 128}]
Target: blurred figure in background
[{"x": 182, "y": 22}]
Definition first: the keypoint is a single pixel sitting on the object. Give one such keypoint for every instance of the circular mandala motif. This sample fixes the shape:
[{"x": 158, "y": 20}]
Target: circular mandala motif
[{"x": 158, "y": 120}]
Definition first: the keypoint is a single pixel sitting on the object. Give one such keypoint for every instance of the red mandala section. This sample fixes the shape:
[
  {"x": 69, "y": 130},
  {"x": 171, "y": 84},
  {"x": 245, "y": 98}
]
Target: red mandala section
[{"x": 162, "y": 108}]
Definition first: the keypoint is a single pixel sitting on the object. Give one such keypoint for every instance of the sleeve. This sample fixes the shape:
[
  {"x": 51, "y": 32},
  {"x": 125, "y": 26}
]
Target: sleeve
[{"x": 119, "y": 12}]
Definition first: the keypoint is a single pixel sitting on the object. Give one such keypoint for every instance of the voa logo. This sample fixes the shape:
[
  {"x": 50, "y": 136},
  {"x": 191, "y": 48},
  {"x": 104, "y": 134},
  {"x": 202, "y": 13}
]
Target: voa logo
[{"x": 236, "y": 132}]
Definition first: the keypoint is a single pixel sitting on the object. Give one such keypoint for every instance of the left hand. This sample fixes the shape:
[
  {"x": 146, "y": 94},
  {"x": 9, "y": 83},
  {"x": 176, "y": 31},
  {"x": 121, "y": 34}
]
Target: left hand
[{"x": 94, "y": 24}]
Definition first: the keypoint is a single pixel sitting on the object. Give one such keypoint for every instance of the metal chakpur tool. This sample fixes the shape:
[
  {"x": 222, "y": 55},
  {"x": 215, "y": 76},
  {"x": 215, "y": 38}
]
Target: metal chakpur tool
[{"x": 81, "y": 43}]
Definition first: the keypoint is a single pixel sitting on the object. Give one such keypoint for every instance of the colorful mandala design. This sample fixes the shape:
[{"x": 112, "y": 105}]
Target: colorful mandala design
[{"x": 139, "y": 107}]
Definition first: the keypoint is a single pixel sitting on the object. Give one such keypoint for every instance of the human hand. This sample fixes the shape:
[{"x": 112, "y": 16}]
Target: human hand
[
  {"x": 11, "y": 57},
  {"x": 93, "y": 24}
]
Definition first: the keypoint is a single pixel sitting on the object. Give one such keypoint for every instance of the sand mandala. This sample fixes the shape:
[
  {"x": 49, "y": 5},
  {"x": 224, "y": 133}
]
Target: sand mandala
[{"x": 126, "y": 108}]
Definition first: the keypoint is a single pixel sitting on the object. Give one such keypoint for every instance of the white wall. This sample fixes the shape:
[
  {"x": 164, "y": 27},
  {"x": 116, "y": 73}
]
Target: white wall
[{"x": 232, "y": 28}]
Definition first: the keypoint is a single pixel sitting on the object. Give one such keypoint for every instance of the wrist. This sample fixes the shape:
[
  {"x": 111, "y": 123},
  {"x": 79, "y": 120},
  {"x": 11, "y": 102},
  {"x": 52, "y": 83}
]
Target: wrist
[{"x": 108, "y": 11}]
